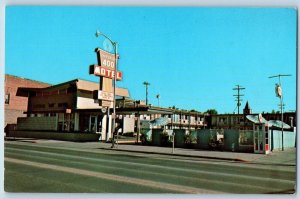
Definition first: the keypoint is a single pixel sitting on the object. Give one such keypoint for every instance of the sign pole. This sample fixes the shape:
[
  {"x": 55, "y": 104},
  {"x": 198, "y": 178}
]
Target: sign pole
[
  {"x": 173, "y": 135},
  {"x": 114, "y": 101},
  {"x": 280, "y": 95},
  {"x": 114, "y": 44}
]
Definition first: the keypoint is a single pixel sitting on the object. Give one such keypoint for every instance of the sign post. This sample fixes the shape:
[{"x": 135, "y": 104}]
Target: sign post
[
  {"x": 173, "y": 141},
  {"x": 278, "y": 91},
  {"x": 107, "y": 70}
]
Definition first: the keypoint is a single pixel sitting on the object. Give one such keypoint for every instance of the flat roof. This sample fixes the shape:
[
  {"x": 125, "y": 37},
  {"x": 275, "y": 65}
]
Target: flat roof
[{"x": 80, "y": 84}]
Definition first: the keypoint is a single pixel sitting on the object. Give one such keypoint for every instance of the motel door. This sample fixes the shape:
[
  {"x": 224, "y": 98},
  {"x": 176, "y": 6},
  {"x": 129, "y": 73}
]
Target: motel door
[
  {"x": 93, "y": 124},
  {"x": 261, "y": 139}
]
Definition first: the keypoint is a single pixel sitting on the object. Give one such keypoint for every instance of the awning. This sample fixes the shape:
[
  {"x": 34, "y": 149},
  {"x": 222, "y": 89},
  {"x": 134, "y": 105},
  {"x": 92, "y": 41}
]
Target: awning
[
  {"x": 162, "y": 121},
  {"x": 258, "y": 119}
]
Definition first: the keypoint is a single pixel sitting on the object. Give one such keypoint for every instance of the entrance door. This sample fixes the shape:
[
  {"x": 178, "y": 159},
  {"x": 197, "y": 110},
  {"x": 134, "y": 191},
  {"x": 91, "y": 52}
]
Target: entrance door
[
  {"x": 258, "y": 141},
  {"x": 93, "y": 124},
  {"x": 261, "y": 139}
]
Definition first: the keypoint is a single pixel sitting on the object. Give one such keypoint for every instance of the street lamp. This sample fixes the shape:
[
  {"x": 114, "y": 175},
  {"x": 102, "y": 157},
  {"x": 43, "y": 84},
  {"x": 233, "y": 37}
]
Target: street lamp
[
  {"x": 114, "y": 44},
  {"x": 278, "y": 91},
  {"x": 146, "y": 84}
]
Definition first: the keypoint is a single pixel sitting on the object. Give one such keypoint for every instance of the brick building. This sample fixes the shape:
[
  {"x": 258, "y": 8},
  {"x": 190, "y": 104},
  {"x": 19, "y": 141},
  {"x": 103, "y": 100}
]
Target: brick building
[{"x": 15, "y": 106}]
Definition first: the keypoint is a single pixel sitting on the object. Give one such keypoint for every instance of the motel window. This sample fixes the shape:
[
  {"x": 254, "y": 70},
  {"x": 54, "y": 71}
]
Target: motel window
[
  {"x": 63, "y": 105},
  {"x": 236, "y": 120},
  {"x": 51, "y": 105},
  {"x": 62, "y": 91},
  {"x": 46, "y": 93},
  {"x": 7, "y": 97},
  {"x": 39, "y": 106},
  {"x": 71, "y": 90},
  {"x": 54, "y": 92},
  {"x": 39, "y": 94},
  {"x": 246, "y": 137}
]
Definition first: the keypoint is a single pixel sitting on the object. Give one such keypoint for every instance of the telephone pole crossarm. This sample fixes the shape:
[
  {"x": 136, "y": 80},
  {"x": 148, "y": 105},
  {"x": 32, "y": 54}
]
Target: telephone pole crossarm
[{"x": 238, "y": 96}]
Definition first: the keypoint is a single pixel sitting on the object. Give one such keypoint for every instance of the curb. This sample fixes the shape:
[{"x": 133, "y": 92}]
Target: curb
[{"x": 176, "y": 154}]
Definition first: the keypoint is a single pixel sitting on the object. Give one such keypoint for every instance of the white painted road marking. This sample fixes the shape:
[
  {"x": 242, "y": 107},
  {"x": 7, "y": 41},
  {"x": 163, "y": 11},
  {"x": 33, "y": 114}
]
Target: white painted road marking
[{"x": 139, "y": 182}]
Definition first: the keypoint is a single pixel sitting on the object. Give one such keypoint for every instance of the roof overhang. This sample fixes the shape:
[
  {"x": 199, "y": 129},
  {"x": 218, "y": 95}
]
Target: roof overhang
[{"x": 143, "y": 110}]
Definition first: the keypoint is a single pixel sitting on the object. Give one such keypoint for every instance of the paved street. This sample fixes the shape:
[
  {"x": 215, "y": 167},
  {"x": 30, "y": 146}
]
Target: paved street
[{"x": 57, "y": 166}]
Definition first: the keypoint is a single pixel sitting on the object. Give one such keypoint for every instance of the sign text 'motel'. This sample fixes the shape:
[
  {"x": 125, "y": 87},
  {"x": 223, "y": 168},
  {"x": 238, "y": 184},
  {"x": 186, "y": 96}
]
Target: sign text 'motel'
[{"x": 105, "y": 72}]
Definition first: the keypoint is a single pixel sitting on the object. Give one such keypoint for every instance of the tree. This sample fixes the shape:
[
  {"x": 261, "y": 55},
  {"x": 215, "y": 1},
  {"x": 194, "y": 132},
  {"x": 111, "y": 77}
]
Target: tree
[
  {"x": 273, "y": 111},
  {"x": 212, "y": 111}
]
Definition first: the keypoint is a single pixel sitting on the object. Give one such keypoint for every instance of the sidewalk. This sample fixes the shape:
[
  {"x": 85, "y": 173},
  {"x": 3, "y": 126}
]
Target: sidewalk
[{"x": 286, "y": 157}]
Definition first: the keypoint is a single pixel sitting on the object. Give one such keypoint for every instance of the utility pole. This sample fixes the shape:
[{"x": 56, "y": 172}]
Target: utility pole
[
  {"x": 283, "y": 105},
  {"x": 158, "y": 96},
  {"x": 278, "y": 90},
  {"x": 238, "y": 96},
  {"x": 146, "y": 84}
]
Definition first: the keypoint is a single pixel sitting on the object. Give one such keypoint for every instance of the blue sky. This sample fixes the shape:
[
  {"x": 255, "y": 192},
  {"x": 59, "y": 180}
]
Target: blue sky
[{"x": 192, "y": 56}]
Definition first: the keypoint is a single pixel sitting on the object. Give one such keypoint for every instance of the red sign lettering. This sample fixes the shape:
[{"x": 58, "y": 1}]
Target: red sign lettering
[{"x": 105, "y": 72}]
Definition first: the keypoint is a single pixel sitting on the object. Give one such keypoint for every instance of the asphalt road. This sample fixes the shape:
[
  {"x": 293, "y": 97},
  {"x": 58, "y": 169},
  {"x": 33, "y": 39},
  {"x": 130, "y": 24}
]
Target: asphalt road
[{"x": 37, "y": 168}]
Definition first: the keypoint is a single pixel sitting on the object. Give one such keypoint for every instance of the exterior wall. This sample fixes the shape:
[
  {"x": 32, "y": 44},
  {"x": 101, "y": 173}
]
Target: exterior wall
[
  {"x": 51, "y": 103},
  {"x": 37, "y": 123},
  {"x": 128, "y": 124},
  {"x": 289, "y": 139},
  {"x": 75, "y": 137},
  {"x": 11, "y": 115},
  {"x": 104, "y": 128},
  {"x": 17, "y": 105},
  {"x": 179, "y": 137},
  {"x": 76, "y": 122},
  {"x": 86, "y": 103}
]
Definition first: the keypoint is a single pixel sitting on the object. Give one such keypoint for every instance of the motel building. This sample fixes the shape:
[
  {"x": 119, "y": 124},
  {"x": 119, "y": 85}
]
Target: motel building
[
  {"x": 71, "y": 108},
  {"x": 82, "y": 110},
  {"x": 73, "y": 111},
  {"x": 66, "y": 107}
]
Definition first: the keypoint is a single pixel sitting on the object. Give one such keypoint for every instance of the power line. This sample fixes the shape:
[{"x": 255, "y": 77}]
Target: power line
[{"x": 238, "y": 96}]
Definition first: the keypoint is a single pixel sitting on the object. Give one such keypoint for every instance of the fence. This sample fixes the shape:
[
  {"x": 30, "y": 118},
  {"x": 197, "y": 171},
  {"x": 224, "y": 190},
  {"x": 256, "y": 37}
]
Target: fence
[
  {"x": 37, "y": 123},
  {"x": 217, "y": 139},
  {"x": 289, "y": 139}
]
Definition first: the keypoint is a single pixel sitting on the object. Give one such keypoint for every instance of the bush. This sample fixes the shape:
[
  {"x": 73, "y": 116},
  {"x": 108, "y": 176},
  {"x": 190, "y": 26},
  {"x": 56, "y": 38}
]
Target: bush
[{"x": 190, "y": 140}]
